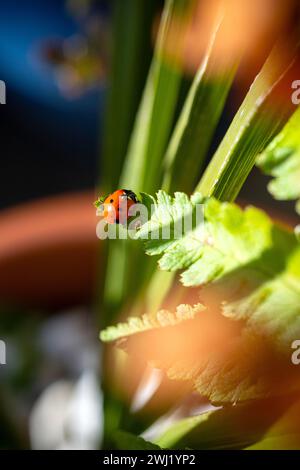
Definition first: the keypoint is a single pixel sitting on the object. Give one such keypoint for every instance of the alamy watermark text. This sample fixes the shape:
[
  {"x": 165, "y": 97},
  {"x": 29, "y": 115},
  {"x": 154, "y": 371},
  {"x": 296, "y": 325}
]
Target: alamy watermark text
[
  {"x": 2, "y": 92},
  {"x": 2, "y": 352}
]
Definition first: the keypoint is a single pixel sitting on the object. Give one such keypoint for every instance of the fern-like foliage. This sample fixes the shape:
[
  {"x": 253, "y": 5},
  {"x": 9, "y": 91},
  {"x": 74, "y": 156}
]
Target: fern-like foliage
[
  {"x": 163, "y": 318},
  {"x": 218, "y": 357},
  {"x": 248, "y": 269},
  {"x": 254, "y": 263},
  {"x": 281, "y": 159},
  {"x": 225, "y": 239}
]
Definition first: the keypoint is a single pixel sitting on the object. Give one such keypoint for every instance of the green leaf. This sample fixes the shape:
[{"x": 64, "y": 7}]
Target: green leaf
[
  {"x": 265, "y": 109},
  {"x": 142, "y": 168},
  {"x": 218, "y": 357},
  {"x": 193, "y": 133},
  {"x": 127, "y": 441},
  {"x": 283, "y": 442},
  {"x": 222, "y": 239},
  {"x": 269, "y": 301},
  {"x": 252, "y": 268},
  {"x": 281, "y": 159},
  {"x": 231, "y": 427},
  {"x": 163, "y": 318},
  {"x": 254, "y": 264},
  {"x": 131, "y": 56},
  {"x": 284, "y": 434},
  {"x": 191, "y": 138}
]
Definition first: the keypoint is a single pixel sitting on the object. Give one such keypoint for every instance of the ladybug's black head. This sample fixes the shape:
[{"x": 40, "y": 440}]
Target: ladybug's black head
[{"x": 130, "y": 194}]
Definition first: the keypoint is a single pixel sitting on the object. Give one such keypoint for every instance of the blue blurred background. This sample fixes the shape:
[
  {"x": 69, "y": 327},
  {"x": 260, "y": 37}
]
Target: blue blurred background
[{"x": 49, "y": 141}]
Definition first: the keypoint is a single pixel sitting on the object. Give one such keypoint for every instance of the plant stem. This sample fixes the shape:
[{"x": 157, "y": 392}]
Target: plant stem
[
  {"x": 131, "y": 55},
  {"x": 265, "y": 109},
  {"x": 198, "y": 120},
  {"x": 143, "y": 168}
]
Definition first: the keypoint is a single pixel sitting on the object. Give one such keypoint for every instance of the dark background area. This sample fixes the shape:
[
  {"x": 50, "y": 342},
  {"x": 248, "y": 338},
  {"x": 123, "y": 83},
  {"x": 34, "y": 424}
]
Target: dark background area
[{"x": 49, "y": 142}]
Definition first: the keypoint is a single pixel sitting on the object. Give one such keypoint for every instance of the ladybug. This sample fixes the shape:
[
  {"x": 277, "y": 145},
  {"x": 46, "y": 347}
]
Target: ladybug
[{"x": 115, "y": 207}]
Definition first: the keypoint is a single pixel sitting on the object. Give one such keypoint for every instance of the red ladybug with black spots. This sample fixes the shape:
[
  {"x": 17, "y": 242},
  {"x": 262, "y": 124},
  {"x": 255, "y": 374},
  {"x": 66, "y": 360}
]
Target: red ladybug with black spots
[{"x": 114, "y": 208}]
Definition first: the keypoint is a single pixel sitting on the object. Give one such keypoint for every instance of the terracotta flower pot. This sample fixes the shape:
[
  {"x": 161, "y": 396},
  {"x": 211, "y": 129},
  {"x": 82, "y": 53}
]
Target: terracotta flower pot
[{"x": 48, "y": 252}]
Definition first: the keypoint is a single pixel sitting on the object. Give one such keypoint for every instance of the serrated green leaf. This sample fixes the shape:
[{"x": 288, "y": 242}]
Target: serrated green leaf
[
  {"x": 222, "y": 239},
  {"x": 252, "y": 268},
  {"x": 218, "y": 357},
  {"x": 281, "y": 159},
  {"x": 273, "y": 306},
  {"x": 251, "y": 261},
  {"x": 163, "y": 318}
]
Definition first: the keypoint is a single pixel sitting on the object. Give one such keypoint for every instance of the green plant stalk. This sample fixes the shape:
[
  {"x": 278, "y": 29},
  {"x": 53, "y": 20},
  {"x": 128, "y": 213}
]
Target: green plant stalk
[
  {"x": 127, "y": 268},
  {"x": 256, "y": 123},
  {"x": 255, "y": 126},
  {"x": 263, "y": 113},
  {"x": 189, "y": 144},
  {"x": 258, "y": 120},
  {"x": 131, "y": 56},
  {"x": 193, "y": 133},
  {"x": 142, "y": 168}
]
